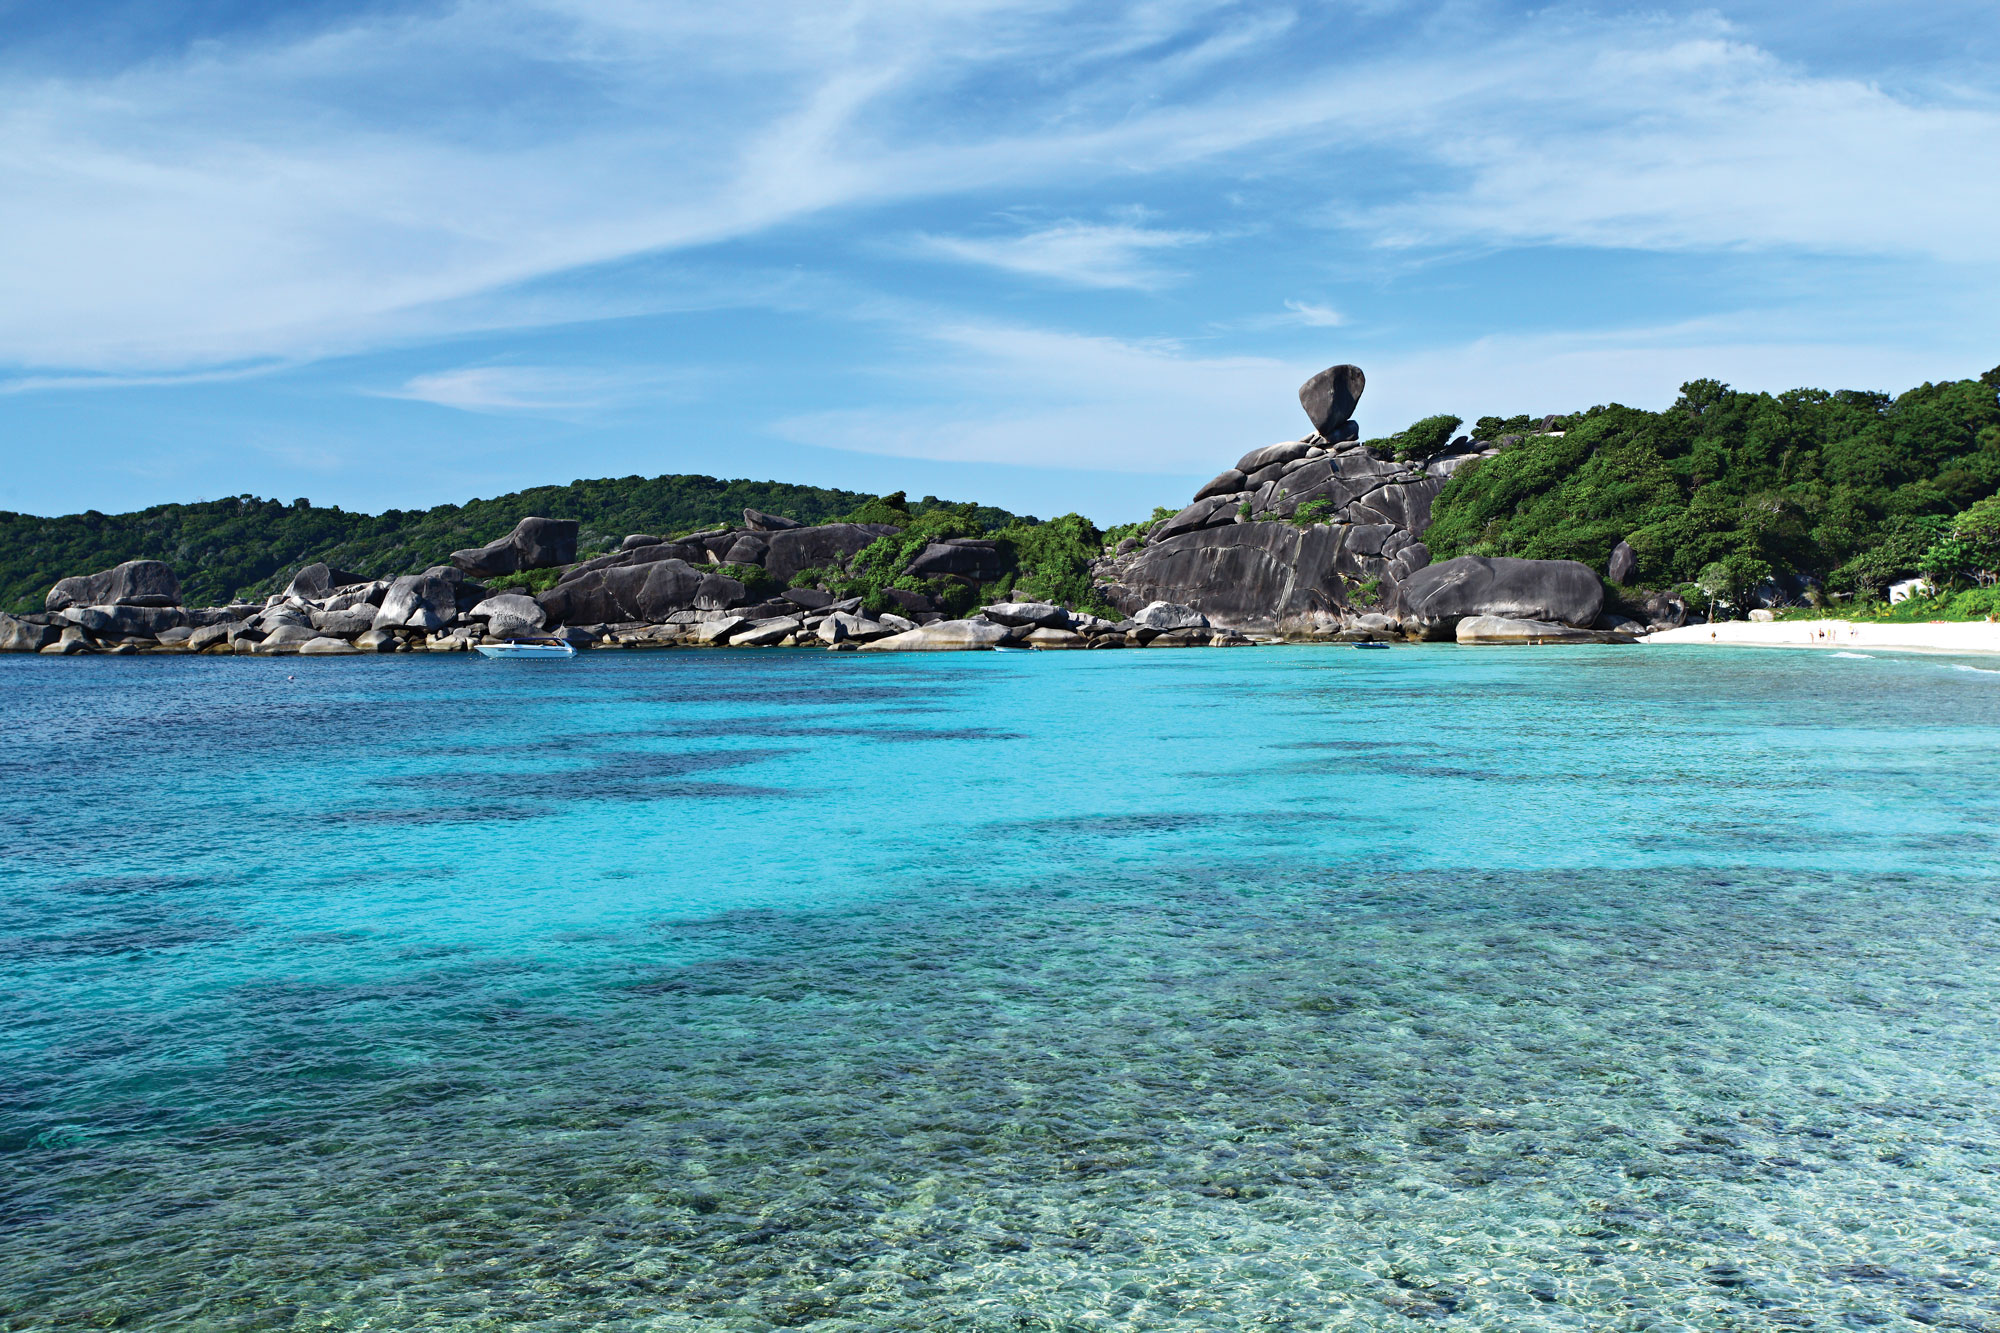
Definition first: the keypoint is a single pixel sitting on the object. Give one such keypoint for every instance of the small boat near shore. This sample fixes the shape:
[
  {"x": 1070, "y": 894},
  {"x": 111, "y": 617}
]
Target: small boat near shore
[
  {"x": 1370, "y": 644},
  {"x": 526, "y": 648}
]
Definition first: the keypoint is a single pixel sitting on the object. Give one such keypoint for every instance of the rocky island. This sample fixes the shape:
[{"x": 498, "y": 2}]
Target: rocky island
[{"x": 1318, "y": 538}]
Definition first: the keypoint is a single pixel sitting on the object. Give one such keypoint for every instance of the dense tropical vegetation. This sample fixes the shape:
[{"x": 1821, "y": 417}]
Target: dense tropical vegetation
[
  {"x": 247, "y": 547},
  {"x": 1046, "y": 562},
  {"x": 1825, "y": 493}
]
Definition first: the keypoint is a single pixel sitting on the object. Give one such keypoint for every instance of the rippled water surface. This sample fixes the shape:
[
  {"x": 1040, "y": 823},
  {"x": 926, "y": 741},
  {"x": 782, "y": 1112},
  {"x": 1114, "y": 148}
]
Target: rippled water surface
[{"x": 1563, "y": 988}]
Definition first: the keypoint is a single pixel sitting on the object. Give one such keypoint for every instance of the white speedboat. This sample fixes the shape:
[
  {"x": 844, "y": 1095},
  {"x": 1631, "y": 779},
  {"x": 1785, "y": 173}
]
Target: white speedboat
[{"x": 526, "y": 648}]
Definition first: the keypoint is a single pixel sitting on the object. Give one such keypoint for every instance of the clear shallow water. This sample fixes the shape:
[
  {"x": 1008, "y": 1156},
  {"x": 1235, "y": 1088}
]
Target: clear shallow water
[{"x": 1307, "y": 988}]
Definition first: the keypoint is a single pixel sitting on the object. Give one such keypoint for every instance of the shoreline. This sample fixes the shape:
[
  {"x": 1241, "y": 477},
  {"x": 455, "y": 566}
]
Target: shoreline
[{"x": 1936, "y": 636}]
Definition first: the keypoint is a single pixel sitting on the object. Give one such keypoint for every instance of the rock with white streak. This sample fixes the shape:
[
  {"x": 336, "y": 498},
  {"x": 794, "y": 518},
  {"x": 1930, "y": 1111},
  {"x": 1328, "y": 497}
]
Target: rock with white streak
[
  {"x": 943, "y": 636},
  {"x": 1027, "y": 613}
]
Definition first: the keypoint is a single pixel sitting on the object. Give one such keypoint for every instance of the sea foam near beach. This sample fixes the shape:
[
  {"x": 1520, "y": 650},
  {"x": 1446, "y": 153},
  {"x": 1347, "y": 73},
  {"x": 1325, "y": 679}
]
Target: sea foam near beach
[{"x": 1563, "y": 988}]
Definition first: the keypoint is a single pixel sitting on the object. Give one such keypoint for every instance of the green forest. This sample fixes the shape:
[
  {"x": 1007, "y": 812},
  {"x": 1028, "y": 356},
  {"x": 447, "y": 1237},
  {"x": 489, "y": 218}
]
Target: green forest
[
  {"x": 1844, "y": 491},
  {"x": 249, "y": 547}
]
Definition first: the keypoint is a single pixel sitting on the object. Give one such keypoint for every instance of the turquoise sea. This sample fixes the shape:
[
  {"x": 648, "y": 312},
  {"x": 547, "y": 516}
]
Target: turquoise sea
[{"x": 1281, "y": 988}]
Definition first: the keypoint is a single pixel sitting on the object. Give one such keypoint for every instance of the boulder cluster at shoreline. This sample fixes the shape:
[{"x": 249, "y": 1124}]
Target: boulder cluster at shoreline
[
  {"x": 441, "y": 610},
  {"x": 1319, "y": 538}
]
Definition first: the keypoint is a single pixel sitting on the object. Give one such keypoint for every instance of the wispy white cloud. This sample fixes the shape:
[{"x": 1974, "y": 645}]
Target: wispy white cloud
[
  {"x": 377, "y": 181},
  {"x": 533, "y": 390},
  {"x": 71, "y": 382},
  {"x": 1077, "y": 253},
  {"x": 1314, "y": 316},
  {"x": 1696, "y": 140}
]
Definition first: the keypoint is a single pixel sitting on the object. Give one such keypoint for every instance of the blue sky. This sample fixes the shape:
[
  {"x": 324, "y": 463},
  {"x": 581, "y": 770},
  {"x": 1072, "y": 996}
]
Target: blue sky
[{"x": 1044, "y": 255}]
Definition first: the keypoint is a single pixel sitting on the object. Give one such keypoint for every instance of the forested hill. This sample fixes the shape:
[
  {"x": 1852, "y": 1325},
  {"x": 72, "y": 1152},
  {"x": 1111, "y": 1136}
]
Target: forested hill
[
  {"x": 249, "y": 547},
  {"x": 1847, "y": 490}
]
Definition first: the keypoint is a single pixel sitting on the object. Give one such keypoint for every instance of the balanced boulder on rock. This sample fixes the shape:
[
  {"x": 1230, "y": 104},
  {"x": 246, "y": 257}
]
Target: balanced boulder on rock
[{"x": 1330, "y": 397}]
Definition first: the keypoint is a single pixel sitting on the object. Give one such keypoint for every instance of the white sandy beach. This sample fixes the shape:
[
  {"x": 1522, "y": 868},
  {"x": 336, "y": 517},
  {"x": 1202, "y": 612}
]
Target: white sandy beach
[{"x": 1935, "y": 636}]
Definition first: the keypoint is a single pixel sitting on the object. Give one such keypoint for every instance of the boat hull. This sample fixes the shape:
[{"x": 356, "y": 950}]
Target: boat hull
[{"x": 531, "y": 650}]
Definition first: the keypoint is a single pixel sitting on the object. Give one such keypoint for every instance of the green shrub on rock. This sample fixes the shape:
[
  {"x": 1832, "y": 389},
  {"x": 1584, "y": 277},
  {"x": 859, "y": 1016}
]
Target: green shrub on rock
[
  {"x": 756, "y": 580},
  {"x": 1313, "y": 511},
  {"x": 1422, "y": 439},
  {"x": 893, "y": 509},
  {"x": 1138, "y": 529}
]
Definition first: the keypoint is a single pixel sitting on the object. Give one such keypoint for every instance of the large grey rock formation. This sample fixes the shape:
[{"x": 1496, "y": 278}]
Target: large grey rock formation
[
  {"x": 22, "y": 636},
  {"x": 286, "y": 639},
  {"x": 114, "y": 621},
  {"x": 1027, "y": 613},
  {"x": 1557, "y": 590},
  {"x": 652, "y": 592},
  {"x": 1256, "y": 576},
  {"x": 765, "y": 633},
  {"x": 318, "y": 580},
  {"x": 510, "y": 616},
  {"x": 943, "y": 636},
  {"x": 1329, "y": 398},
  {"x": 134, "y": 583},
  {"x": 1228, "y": 483},
  {"x": 1249, "y": 559},
  {"x": 1502, "y": 629},
  {"x": 344, "y": 624},
  {"x": 535, "y": 543},
  {"x": 1307, "y": 536},
  {"x": 965, "y": 557},
  {"x": 1623, "y": 566},
  {"x": 426, "y": 601},
  {"x": 845, "y": 625},
  {"x": 758, "y": 521},
  {"x": 72, "y": 642},
  {"x": 646, "y": 553},
  {"x": 820, "y": 547},
  {"x": 718, "y": 630},
  {"x": 207, "y": 636},
  {"x": 749, "y": 549},
  {"x": 1167, "y": 616}
]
